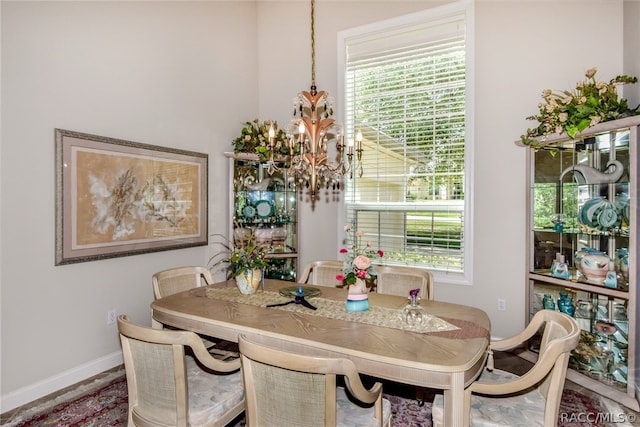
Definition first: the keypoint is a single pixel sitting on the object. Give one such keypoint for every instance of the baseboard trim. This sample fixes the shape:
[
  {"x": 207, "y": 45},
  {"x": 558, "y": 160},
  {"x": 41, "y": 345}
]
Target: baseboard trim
[{"x": 50, "y": 385}]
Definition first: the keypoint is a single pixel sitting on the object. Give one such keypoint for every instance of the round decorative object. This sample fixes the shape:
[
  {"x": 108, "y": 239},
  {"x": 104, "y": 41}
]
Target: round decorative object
[
  {"x": 589, "y": 209},
  {"x": 607, "y": 217},
  {"x": 606, "y": 328},
  {"x": 248, "y": 212},
  {"x": 300, "y": 291},
  {"x": 264, "y": 209},
  {"x": 593, "y": 265}
]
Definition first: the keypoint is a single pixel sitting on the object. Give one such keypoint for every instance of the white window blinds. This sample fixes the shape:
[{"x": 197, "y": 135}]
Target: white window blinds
[{"x": 405, "y": 91}]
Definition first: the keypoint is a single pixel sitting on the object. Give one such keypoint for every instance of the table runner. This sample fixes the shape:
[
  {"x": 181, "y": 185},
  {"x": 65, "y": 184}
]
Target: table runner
[{"x": 378, "y": 316}]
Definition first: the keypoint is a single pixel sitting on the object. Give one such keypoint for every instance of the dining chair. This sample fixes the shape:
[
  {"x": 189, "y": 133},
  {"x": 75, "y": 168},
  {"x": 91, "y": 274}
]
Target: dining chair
[
  {"x": 179, "y": 279},
  {"x": 322, "y": 273},
  {"x": 500, "y": 398},
  {"x": 399, "y": 280},
  {"x": 167, "y": 387},
  {"x": 289, "y": 389}
]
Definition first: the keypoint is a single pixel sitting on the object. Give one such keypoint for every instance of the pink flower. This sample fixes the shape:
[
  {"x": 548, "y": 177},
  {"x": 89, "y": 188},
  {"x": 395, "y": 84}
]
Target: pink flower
[
  {"x": 380, "y": 253},
  {"x": 361, "y": 262},
  {"x": 343, "y": 251},
  {"x": 359, "y": 233},
  {"x": 361, "y": 274},
  {"x": 339, "y": 277}
]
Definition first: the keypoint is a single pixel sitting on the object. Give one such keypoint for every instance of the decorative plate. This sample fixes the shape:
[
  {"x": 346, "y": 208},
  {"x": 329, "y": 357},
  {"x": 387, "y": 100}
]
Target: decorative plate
[
  {"x": 264, "y": 208},
  {"x": 248, "y": 212},
  {"x": 297, "y": 291},
  {"x": 607, "y": 217},
  {"x": 588, "y": 211}
]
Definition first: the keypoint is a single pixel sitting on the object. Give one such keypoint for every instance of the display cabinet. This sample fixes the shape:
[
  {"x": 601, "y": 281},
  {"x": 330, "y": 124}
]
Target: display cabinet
[
  {"x": 264, "y": 206},
  {"x": 583, "y": 247}
]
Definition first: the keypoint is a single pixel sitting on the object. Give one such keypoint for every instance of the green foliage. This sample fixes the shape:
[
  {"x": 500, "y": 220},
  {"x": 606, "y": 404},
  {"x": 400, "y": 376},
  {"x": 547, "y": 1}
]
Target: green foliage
[
  {"x": 246, "y": 255},
  {"x": 571, "y": 112},
  {"x": 254, "y": 138}
]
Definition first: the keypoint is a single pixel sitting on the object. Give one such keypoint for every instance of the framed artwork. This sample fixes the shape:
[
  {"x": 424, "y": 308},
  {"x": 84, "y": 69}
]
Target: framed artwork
[{"x": 117, "y": 198}]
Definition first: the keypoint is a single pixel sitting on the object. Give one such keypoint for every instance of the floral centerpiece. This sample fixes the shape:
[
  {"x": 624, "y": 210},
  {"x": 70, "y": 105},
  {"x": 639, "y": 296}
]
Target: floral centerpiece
[
  {"x": 358, "y": 260},
  {"x": 571, "y": 112},
  {"x": 244, "y": 261},
  {"x": 254, "y": 138}
]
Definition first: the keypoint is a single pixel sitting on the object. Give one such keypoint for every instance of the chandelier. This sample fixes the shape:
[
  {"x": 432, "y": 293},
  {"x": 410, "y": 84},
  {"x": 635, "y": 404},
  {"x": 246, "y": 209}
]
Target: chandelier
[{"x": 311, "y": 131}]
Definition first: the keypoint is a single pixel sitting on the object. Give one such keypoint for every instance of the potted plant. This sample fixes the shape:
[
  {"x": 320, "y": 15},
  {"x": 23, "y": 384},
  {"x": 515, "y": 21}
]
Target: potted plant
[{"x": 244, "y": 261}]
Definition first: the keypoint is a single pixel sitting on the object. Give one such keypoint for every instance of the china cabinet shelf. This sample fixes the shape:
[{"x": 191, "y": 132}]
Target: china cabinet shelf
[
  {"x": 265, "y": 205},
  {"x": 582, "y": 250}
]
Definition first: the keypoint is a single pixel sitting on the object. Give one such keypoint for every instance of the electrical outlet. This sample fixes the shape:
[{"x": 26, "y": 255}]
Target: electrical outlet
[
  {"x": 502, "y": 304},
  {"x": 111, "y": 317}
]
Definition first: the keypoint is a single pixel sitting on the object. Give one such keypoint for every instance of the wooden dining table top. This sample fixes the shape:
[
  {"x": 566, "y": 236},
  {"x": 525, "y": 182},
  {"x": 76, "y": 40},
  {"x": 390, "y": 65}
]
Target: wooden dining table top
[{"x": 422, "y": 359}]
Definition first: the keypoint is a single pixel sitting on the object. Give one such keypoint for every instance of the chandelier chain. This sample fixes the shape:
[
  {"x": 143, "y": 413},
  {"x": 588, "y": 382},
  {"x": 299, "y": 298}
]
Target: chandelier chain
[
  {"x": 309, "y": 134},
  {"x": 313, "y": 42}
]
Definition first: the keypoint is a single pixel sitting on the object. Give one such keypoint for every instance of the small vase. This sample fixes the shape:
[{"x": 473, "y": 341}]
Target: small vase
[
  {"x": 565, "y": 304},
  {"x": 357, "y": 297},
  {"x": 559, "y": 268},
  {"x": 413, "y": 314},
  {"x": 248, "y": 281},
  {"x": 548, "y": 303}
]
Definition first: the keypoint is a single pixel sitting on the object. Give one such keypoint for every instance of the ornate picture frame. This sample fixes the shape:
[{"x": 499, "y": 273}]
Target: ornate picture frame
[{"x": 118, "y": 198}]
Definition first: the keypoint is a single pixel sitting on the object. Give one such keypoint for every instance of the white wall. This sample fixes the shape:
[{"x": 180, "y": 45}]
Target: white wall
[
  {"x": 175, "y": 74},
  {"x": 186, "y": 75}
]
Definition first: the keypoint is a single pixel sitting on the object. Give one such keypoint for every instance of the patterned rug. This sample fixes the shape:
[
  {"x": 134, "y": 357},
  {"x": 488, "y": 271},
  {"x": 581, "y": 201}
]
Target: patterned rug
[{"x": 106, "y": 405}]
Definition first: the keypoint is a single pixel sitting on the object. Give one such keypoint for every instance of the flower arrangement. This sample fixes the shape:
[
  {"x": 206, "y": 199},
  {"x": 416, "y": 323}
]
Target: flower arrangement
[
  {"x": 357, "y": 260},
  {"x": 571, "y": 112},
  {"x": 254, "y": 138},
  {"x": 245, "y": 255}
]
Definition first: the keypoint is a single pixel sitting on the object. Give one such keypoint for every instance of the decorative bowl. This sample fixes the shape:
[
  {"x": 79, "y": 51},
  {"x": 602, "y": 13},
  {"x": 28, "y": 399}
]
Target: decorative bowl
[{"x": 593, "y": 264}]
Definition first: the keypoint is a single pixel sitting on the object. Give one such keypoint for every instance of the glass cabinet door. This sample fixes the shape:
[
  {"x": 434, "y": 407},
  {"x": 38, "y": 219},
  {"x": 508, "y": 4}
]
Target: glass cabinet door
[
  {"x": 265, "y": 206},
  {"x": 582, "y": 249},
  {"x": 581, "y": 212}
]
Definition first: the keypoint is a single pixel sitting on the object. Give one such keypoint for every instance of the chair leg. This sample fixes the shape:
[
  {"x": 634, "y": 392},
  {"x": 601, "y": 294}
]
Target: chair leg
[{"x": 420, "y": 396}]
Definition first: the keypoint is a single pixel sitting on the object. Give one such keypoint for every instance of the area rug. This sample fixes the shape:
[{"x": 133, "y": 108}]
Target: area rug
[{"x": 106, "y": 405}]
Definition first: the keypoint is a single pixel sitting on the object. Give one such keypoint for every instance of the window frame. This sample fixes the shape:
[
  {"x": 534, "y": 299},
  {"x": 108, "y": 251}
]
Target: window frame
[{"x": 465, "y": 8}]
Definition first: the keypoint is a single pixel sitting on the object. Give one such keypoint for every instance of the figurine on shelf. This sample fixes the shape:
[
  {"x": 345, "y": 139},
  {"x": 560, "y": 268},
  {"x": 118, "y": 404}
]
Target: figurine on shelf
[{"x": 559, "y": 268}]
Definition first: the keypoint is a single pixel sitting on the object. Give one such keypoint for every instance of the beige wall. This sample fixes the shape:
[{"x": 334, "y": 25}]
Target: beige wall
[{"x": 186, "y": 75}]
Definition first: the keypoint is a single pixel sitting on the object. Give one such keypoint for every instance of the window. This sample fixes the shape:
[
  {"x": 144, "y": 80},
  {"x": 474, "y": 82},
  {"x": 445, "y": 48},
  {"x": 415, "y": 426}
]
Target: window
[{"x": 406, "y": 92}]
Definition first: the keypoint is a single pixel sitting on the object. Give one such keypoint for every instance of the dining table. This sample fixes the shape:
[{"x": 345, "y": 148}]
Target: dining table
[{"x": 447, "y": 351}]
